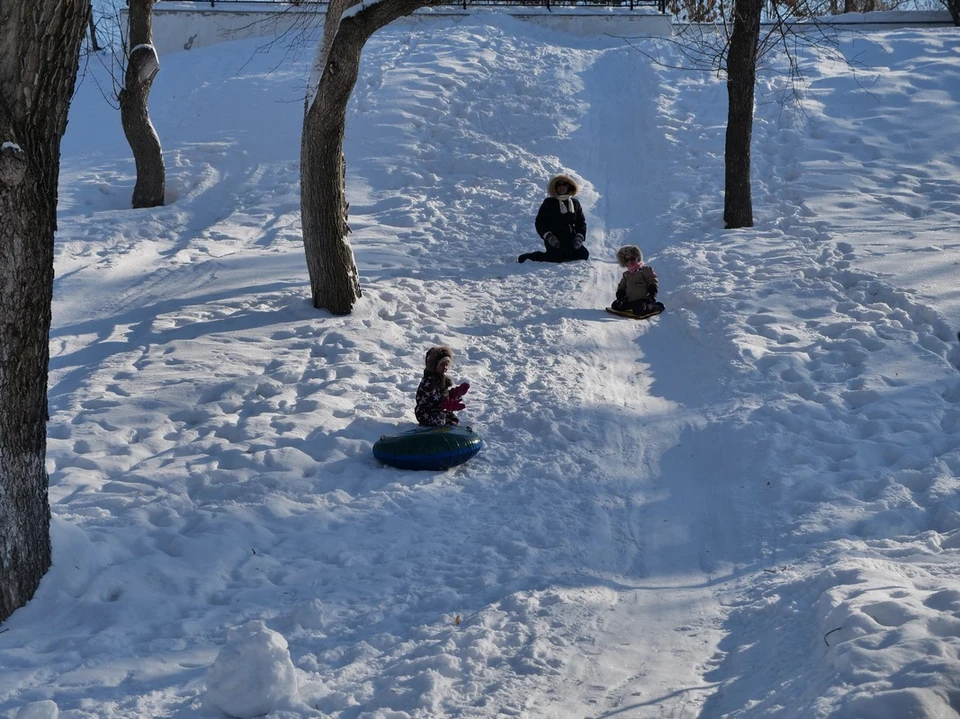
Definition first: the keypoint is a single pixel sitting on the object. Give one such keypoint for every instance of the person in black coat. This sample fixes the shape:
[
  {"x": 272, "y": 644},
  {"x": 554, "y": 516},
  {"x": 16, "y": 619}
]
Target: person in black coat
[{"x": 561, "y": 224}]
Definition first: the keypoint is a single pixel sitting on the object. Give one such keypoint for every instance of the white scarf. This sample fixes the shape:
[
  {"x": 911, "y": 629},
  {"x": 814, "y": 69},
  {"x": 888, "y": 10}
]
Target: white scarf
[{"x": 564, "y": 201}]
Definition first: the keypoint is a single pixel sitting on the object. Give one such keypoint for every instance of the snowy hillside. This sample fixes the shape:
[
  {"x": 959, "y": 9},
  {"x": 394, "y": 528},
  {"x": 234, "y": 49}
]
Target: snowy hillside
[{"x": 746, "y": 507}]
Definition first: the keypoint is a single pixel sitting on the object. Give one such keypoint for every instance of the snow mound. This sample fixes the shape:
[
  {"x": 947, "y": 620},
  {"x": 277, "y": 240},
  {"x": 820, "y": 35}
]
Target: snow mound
[{"x": 253, "y": 674}]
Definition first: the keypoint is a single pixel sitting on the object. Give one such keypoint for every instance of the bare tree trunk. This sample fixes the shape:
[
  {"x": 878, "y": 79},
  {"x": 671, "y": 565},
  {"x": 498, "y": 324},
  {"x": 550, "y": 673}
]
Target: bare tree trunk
[
  {"x": 142, "y": 67},
  {"x": 741, "y": 82},
  {"x": 39, "y": 55},
  {"x": 334, "y": 279},
  {"x": 92, "y": 25},
  {"x": 954, "y": 7}
]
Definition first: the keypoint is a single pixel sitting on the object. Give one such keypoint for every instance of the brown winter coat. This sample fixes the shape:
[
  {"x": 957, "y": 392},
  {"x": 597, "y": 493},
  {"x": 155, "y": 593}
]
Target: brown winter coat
[{"x": 636, "y": 285}]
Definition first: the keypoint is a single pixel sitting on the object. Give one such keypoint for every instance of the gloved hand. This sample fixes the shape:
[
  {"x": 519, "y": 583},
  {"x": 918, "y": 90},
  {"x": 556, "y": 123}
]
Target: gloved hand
[
  {"x": 577, "y": 241},
  {"x": 451, "y": 404},
  {"x": 652, "y": 293},
  {"x": 552, "y": 239},
  {"x": 460, "y": 390}
]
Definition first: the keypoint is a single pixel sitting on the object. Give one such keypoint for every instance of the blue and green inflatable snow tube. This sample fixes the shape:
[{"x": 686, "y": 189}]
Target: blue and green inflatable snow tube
[{"x": 428, "y": 447}]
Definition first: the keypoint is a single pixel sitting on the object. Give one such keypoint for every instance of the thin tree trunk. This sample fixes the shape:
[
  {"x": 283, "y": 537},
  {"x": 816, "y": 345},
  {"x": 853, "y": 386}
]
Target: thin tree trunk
[
  {"x": 142, "y": 67},
  {"x": 92, "y": 25},
  {"x": 741, "y": 82},
  {"x": 39, "y": 55},
  {"x": 334, "y": 279}
]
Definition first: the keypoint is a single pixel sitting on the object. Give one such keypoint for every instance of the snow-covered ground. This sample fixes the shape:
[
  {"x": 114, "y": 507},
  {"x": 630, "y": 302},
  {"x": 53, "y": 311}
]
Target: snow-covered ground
[{"x": 746, "y": 507}]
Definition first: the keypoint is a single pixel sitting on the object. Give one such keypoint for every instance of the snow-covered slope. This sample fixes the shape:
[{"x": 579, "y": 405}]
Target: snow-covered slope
[{"x": 746, "y": 507}]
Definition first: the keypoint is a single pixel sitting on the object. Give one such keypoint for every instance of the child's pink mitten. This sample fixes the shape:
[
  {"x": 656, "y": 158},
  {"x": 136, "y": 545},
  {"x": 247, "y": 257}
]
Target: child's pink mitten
[{"x": 460, "y": 390}]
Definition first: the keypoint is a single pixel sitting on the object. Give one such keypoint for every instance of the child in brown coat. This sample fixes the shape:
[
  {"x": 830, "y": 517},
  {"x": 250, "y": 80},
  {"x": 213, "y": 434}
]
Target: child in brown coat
[
  {"x": 437, "y": 398},
  {"x": 637, "y": 291}
]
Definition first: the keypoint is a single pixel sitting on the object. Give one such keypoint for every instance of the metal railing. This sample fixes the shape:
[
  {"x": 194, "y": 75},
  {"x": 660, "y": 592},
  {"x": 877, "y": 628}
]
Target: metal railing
[{"x": 660, "y": 5}]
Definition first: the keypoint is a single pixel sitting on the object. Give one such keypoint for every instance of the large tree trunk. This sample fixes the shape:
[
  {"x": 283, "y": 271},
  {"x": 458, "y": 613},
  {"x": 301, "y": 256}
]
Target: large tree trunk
[
  {"x": 142, "y": 67},
  {"x": 39, "y": 52},
  {"x": 334, "y": 280},
  {"x": 954, "y": 7},
  {"x": 741, "y": 81}
]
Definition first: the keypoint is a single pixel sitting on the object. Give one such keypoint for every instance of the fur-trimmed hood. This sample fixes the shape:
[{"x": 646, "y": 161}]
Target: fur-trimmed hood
[
  {"x": 434, "y": 355},
  {"x": 628, "y": 254},
  {"x": 552, "y": 185}
]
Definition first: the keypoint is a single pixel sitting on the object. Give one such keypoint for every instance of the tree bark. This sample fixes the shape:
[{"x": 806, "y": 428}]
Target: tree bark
[
  {"x": 142, "y": 67},
  {"x": 92, "y": 24},
  {"x": 741, "y": 83},
  {"x": 39, "y": 55},
  {"x": 334, "y": 279},
  {"x": 954, "y": 7}
]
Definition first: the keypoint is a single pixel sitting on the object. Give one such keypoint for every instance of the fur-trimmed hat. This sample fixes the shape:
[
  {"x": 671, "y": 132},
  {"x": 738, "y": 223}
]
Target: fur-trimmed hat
[
  {"x": 628, "y": 254},
  {"x": 552, "y": 185},
  {"x": 436, "y": 355}
]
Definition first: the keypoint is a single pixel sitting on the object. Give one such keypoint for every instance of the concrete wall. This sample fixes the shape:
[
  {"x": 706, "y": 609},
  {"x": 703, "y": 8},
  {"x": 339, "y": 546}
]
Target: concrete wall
[
  {"x": 630, "y": 23},
  {"x": 179, "y": 26},
  {"x": 187, "y": 26}
]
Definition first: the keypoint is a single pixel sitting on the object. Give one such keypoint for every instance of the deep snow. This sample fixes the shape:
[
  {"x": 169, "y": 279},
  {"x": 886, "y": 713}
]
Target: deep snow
[{"x": 746, "y": 507}]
